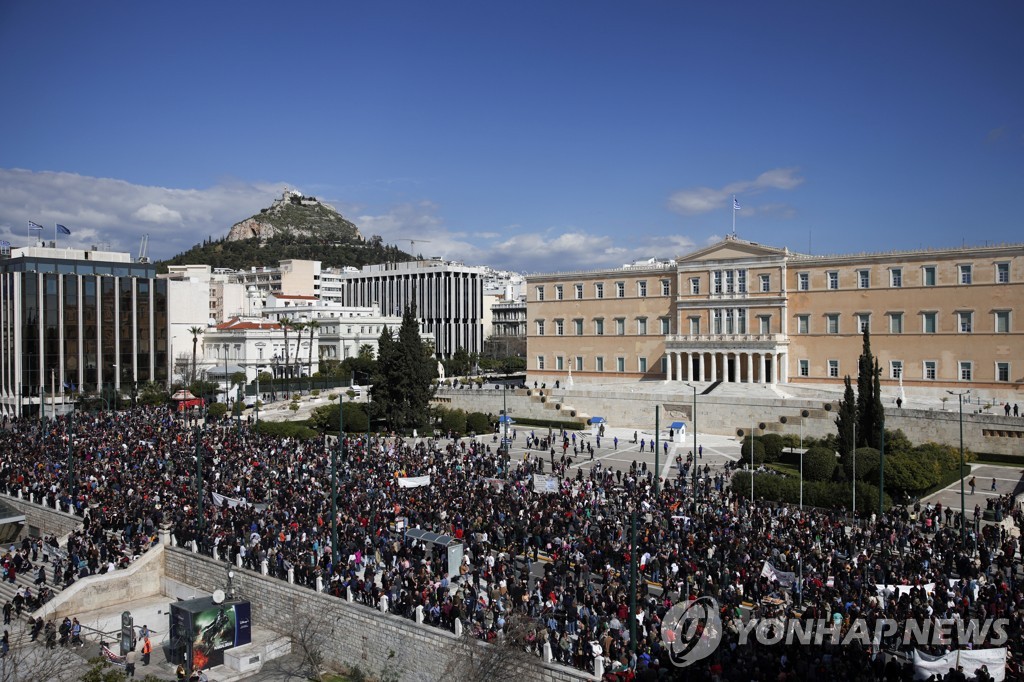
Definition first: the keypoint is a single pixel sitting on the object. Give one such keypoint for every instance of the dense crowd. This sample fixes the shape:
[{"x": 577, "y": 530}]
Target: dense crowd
[{"x": 555, "y": 566}]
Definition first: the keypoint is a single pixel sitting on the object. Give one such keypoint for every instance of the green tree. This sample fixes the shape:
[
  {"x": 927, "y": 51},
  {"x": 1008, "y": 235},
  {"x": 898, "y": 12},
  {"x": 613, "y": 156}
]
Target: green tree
[
  {"x": 217, "y": 410},
  {"x": 869, "y": 401},
  {"x": 152, "y": 393},
  {"x": 845, "y": 421},
  {"x": 819, "y": 463},
  {"x": 459, "y": 364},
  {"x": 402, "y": 386}
]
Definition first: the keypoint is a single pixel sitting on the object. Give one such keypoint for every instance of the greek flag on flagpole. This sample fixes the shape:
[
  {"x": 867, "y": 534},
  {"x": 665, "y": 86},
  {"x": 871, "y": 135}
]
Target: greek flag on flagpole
[
  {"x": 62, "y": 229},
  {"x": 34, "y": 226},
  {"x": 4, "y": 244},
  {"x": 735, "y": 204}
]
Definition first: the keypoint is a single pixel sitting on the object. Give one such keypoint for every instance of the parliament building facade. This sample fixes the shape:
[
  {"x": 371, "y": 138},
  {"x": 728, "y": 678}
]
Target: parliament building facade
[{"x": 742, "y": 312}]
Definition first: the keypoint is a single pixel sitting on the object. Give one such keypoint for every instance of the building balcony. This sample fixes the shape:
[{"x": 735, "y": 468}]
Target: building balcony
[{"x": 680, "y": 342}]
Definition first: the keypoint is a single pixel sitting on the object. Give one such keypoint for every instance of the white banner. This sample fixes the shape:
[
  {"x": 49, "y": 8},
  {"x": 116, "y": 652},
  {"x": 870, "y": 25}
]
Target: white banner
[
  {"x": 926, "y": 665},
  {"x": 221, "y": 500},
  {"x": 414, "y": 482},
  {"x": 785, "y": 578},
  {"x": 542, "y": 483},
  {"x": 900, "y": 590}
]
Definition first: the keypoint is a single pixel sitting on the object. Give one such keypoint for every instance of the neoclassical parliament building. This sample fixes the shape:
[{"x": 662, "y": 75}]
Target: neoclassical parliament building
[{"x": 742, "y": 312}]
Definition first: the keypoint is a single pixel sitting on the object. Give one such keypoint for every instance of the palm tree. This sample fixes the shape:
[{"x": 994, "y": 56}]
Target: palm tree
[
  {"x": 312, "y": 326},
  {"x": 196, "y": 332}
]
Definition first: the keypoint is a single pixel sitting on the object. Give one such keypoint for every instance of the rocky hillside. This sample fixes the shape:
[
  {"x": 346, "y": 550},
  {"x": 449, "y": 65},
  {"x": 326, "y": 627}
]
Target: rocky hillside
[
  {"x": 298, "y": 216},
  {"x": 295, "y": 226}
]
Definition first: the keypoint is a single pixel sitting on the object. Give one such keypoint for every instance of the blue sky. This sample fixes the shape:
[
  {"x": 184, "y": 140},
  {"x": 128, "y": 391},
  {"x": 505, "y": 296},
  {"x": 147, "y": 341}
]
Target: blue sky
[{"x": 535, "y": 136}]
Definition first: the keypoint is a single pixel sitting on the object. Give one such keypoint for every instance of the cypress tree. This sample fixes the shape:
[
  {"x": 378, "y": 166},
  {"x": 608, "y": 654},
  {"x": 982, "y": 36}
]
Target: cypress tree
[
  {"x": 865, "y": 396},
  {"x": 845, "y": 420}
]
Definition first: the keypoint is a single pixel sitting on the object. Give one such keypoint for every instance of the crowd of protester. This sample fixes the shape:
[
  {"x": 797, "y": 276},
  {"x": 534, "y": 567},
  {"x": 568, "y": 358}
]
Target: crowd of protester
[{"x": 555, "y": 565}]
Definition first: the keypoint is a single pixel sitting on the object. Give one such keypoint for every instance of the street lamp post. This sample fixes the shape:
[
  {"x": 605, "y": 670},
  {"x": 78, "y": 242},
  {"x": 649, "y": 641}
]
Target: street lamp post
[
  {"x": 963, "y": 517},
  {"x": 199, "y": 481},
  {"x": 657, "y": 429},
  {"x": 803, "y": 415},
  {"x": 632, "y": 583},
  {"x": 71, "y": 458},
  {"x": 334, "y": 482},
  {"x": 881, "y": 468},
  {"x": 693, "y": 421},
  {"x": 273, "y": 384},
  {"x": 259, "y": 396},
  {"x": 752, "y": 427}
]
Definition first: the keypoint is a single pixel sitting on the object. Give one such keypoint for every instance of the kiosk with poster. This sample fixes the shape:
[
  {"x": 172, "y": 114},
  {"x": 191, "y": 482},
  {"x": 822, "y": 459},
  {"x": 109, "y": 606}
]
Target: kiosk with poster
[{"x": 201, "y": 629}]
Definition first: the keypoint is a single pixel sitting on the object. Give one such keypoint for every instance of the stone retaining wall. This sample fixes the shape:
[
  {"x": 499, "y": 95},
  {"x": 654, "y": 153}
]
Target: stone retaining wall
[
  {"x": 42, "y": 520},
  {"x": 356, "y": 634},
  {"x": 629, "y": 407}
]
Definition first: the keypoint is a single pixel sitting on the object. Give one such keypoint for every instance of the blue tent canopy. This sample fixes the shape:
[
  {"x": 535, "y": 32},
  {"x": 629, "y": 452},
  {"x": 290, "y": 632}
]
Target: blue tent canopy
[
  {"x": 505, "y": 418},
  {"x": 597, "y": 420},
  {"x": 677, "y": 425}
]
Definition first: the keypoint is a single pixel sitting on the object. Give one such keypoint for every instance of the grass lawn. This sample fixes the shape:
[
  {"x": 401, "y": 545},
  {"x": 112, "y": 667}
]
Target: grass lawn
[{"x": 787, "y": 469}]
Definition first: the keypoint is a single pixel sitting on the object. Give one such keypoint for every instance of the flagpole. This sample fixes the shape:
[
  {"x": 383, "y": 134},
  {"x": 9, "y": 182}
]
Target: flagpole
[{"x": 733, "y": 215}]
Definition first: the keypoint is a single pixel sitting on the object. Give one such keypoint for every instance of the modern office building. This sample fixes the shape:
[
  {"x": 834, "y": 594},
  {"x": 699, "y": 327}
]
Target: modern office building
[
  {"x": 448, "y": 297},
  {"x": 742, "y": 312},
  {"x": 77, "y": 322}
]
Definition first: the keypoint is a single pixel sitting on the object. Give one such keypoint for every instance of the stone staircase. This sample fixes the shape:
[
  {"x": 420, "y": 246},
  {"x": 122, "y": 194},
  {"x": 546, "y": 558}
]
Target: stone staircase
[{"x": 28, "y": 579}]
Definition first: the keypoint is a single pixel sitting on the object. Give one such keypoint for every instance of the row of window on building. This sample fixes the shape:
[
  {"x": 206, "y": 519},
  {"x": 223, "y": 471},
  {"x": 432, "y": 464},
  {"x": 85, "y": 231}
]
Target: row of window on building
[
  {"x": 578, "y": 364},
  {"x": 599, "y": 290},
  {"x": 930, "y": 320},
  {"x": 929, "y": 370},
  {"x": 735, "y": 281},
  {"x": 641, "y": 326}
]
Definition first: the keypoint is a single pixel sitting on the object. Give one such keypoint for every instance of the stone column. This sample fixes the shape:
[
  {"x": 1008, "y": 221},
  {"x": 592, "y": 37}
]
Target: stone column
[
  {"x": 750, "y": 368},
  {"x": 760, "y": 369},
  {"x": 714, "y": 367},
  {"x": 679, "y": 365},
  {"x": 687, "y": 365},
  {"x": 783, "y": 374},
  {"x": 700, "y": 366},
  {"x": 775, "y": 369}
]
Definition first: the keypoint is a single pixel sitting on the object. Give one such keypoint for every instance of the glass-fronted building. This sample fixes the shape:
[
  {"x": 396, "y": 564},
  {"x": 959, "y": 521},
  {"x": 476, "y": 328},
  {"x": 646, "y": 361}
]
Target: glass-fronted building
[{"x": 76, "y": 322}]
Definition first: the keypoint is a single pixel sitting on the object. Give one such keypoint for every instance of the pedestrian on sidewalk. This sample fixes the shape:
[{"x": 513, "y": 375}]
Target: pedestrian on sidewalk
[
  {"x": 972, "y": 483},
  {"x": 993, "y": 484}
]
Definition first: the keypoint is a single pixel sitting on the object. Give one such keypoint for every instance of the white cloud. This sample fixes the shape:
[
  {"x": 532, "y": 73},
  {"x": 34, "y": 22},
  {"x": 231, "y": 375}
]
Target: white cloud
[
  {"x": 157, "y": 213},
  {"x": 118, "y": 213},
  {"x": 697, "y": 200}
]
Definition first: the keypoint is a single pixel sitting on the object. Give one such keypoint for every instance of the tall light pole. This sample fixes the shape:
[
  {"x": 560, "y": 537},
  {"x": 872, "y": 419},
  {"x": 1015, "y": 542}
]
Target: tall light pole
[
  {"x": 694, "y": 424},
  {"x": 199, "y": 481},
  {"x": 334, "y": 481},
  {"x": 657, "y": 462},
  {"x": 71, "y": 457},
  {"x": 803, "y": 415},
  {"x": 881, "y": 468},
  {"x": 963, "y": 517},
  {"x": 752, "y": 427},
  {"x": 259, "y": 396},
  {"x": 855, "y": 467},
  {"x": 632, "y": 583}
]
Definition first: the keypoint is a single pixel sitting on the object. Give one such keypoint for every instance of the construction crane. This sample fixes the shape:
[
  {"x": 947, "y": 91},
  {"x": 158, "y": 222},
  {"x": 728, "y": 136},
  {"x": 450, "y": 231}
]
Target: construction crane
[
  {"x": 143, "y": 249},
  {"x": 412, "y": 243}
]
